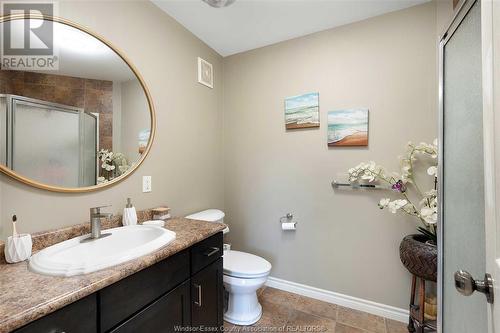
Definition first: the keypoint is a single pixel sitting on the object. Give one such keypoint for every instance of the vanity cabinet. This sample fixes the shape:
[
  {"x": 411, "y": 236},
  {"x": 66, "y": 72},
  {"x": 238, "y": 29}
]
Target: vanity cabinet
[
  {"x": 163, "y": 315},
  {"x": 78, "y": 317},
  {"x": 207, "y": 295},
  {"x": 128, "y": 296},
  {"x": 185, "y": 290}
]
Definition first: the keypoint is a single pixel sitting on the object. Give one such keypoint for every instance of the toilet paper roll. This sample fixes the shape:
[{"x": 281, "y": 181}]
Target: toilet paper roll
[{"x": 289, "y": 226}]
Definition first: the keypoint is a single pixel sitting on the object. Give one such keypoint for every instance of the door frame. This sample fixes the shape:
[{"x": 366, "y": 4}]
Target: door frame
[
  {"x": 490, "y": 153},
  {"x": 491, "y": 134}
]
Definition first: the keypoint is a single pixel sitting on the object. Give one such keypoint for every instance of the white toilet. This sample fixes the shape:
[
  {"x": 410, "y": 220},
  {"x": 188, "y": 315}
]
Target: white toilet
[{"x": 244, "y": 274}]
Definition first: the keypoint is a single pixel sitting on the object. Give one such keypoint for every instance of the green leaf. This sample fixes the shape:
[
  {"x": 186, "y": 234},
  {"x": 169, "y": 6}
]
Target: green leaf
[{"x": 429, "y": 234}]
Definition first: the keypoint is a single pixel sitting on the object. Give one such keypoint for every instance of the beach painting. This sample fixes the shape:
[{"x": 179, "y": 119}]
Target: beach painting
[
  {"x": 144, "y": 139},
  {"x": 302, "y": 111},
  {"x": 348, "y": 128}
]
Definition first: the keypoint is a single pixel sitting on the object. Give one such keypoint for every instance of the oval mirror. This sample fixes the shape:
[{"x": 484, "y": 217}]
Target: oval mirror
[{"x": 75, "y": 115}]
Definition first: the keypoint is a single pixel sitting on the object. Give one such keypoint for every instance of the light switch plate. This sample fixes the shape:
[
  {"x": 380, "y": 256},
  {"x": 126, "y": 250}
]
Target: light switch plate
[{"x": 146, "y": 184}]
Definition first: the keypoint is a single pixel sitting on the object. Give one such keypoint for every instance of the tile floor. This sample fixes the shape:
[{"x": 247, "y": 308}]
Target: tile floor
[{"x": 303, "y": 314}]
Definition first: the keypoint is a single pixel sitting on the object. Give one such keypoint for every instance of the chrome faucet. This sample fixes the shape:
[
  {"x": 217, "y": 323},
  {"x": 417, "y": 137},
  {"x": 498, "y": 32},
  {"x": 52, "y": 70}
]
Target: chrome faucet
[{"x": 95, "y": 222}]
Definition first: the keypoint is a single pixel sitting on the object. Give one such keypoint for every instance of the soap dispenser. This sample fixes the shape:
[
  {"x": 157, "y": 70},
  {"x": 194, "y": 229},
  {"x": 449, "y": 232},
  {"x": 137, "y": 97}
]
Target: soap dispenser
[{"x": 129, "y": 214}]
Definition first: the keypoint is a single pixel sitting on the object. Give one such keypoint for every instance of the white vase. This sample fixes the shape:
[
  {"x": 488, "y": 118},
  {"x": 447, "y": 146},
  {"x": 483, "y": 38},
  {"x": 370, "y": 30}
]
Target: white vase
[{"x": 18, "y": 248}]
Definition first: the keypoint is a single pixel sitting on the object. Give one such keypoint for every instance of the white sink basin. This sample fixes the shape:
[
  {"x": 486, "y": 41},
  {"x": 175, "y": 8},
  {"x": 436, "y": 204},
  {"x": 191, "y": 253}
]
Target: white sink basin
[{"x": 73, "y": 257}]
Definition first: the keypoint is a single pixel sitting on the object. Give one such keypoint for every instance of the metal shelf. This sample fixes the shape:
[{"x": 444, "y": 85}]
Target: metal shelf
[{"x": 357, "y": 186}]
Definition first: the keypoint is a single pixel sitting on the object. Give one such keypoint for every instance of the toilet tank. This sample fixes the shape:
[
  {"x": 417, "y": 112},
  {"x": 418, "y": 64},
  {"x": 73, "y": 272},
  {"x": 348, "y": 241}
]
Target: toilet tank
[{"x": 210, "y": 215}]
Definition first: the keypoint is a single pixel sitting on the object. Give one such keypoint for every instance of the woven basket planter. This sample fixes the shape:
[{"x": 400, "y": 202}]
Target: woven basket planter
[{"x": 419, "y": 257}]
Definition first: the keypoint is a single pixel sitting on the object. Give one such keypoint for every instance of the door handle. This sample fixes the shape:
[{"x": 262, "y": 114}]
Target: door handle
[
  {"x": 211, "y": 251},
  {"x": 466, "y": 285},
  {"x": 198, "y": 302}
]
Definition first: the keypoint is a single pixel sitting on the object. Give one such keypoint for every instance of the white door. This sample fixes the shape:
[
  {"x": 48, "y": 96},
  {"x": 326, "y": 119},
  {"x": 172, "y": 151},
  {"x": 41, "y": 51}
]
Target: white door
[{"x": 469, "y": 140}]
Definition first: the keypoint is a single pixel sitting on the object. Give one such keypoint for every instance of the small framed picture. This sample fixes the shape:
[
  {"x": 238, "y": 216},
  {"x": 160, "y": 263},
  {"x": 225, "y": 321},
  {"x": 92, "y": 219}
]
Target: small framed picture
[
  {"x": 302, "y": 111},
  {"x": 144, "y": 139},
  {"x": 205, "y": 73},
  {"x": 348, "y": 127}
]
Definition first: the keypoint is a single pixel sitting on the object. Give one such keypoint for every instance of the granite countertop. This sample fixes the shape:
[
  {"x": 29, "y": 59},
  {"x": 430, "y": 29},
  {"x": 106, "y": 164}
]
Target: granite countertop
[{"x": 27, "y": 296}]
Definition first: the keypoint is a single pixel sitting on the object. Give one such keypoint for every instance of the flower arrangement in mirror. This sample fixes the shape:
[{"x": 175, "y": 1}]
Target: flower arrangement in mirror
[
  {"x": 412, "y": 200},
  {"x": 112, "y": 165}
]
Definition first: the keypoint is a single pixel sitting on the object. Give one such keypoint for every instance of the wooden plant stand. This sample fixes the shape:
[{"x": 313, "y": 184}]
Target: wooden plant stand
[{"x": 417, "y": 322}]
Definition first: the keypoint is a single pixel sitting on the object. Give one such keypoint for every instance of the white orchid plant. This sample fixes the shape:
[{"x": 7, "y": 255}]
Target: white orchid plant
[
  {"x": 112, "y": 165},
  {"x": 425, "y": 207}
]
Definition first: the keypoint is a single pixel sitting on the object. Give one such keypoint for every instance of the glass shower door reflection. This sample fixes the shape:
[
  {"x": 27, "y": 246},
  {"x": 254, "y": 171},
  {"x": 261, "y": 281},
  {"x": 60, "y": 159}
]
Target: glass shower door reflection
[
  {"x": 46, "y": 144},
  {"x": 89, "y": 150}
]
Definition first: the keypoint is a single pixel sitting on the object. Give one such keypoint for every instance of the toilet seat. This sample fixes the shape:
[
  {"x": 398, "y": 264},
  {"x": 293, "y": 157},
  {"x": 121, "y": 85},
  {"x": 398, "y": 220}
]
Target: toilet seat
[{"x": 245, "y": 265}]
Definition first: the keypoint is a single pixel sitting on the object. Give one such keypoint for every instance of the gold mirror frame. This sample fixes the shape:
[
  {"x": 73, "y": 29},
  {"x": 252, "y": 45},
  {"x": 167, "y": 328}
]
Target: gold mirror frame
[{"x": 115, "y": 181}]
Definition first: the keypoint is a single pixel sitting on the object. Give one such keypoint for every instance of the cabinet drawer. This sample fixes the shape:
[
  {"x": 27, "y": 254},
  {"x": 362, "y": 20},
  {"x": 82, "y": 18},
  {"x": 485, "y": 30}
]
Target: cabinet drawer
[
  {"x": 206, "y": 252},
  {"x": 78, "y": 317},
  {"x": 171, "y": 310},
  {"x": 124, "y": 298}
]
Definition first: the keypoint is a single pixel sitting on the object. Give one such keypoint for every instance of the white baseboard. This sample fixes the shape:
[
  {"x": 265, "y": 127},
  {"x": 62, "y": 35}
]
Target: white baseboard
[{"x": 355, "y": 303}]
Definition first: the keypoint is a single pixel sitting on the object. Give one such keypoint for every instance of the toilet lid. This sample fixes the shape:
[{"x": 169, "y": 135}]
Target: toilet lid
[
  {"x": 245, "y": 265},
  {"x": 210, "y": 215}
]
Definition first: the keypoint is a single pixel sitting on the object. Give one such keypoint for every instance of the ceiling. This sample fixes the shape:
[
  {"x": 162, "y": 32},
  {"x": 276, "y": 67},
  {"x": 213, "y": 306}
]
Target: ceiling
[
  {"x": 79, "y": 54},
  {"x": 250, "y": 24}
]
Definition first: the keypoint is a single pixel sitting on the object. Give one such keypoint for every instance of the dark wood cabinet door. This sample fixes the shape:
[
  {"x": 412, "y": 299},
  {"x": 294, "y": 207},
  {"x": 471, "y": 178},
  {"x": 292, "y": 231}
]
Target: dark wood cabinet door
[
  {"x": 168, "y": 314},
  {"x": 77, "y": 317},
  {"x": 125, "y": 298},
  {"x": 206, "y": 296}
]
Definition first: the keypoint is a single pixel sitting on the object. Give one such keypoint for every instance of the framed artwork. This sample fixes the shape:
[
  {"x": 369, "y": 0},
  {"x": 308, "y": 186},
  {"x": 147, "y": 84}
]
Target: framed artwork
[
  {"x": 348, "y": 127},
  {"x": 143, "y": 140},
  {"x": 302, "y": 111}
]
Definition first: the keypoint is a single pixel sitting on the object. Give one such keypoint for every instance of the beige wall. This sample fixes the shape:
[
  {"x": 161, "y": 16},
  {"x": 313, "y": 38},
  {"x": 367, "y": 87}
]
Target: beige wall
[
  {"x": 134, "y": 107},
  {"x": 117, "y": 116},
  {"x": 444, "y": 14},
  {"x": 187, "y": 177},
  {"x": 344, "y": 243}
]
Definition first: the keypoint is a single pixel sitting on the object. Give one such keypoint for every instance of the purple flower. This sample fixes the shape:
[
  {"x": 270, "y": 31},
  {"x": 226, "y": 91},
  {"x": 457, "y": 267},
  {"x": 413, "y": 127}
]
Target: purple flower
[{"x": 399, "y": 186}]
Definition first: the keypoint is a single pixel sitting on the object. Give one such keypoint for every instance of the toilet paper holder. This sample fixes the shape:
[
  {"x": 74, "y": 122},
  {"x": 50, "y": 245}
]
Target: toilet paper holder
[{"x": 288, "y": 217}]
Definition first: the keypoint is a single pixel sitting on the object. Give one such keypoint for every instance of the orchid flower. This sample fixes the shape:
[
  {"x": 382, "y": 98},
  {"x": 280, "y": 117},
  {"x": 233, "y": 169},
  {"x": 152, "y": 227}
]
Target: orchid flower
[{"x": 400, "y": 183}]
